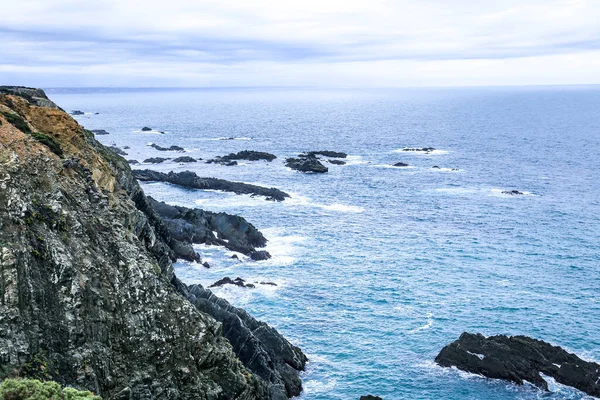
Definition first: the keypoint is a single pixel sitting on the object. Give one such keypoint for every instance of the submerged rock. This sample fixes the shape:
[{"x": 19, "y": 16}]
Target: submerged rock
[
  {"x": 191, "y": 180},
  {"x": 423, "y": 149},
  {"x": 337, "y": 162},
  {"x": 400, "y": 164},
  {"x": 243, "y": 155},
  {"x": 519, "y": 359},
  {"x": 327, "y": 153},
  {"x": 513, "y": 192},
  {"x": 260, "y": 255},
  {"x": 156, "y": 160},
  {"x": 133, "y": 162},
  {"x": 146, "y": 129},
  {"x": 184, "y": 159},
  {"x": 99, "y": 132},
  {"x": 171, "y": 148},
  {"x": 228, "y": 281},
  {"x": 306, "y": 164},
  {"x": 77, "y": 112},
  {"x": 370, "y": 397}
]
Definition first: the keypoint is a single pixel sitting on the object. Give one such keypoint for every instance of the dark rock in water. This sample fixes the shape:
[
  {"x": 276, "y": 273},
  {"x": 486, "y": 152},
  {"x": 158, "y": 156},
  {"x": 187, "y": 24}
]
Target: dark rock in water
[
  {"x": 519, "y": 359},
  {"x": 133, "y": 161},
  {"x": 423, "y": 149},
  {"x": 261, "y": 348},
  {"x": 306, "y": 164},
  {"x": 126, "y": 148},
  {"x": 99, "y": 132},
  {"x": 435, "y": 167},
  {"x": 235, "y": 256},
  {"x": 117, "y": 150},
  {"x": 172, "y": 148},
  {"x": 227, "y": 138},
  {"x": 260, "y": 255},
  {"x": 146, "y": 129},
  {"x": 155, "y": 160},
  {"x": 243, "y": 155},
  {"x": 77, "y": 112},
  {"x": 96, "y": 113},
  {"x": 401, "y": 164},
  {"x": 513, "y": 192},
  {"x": 191, "y": 180},
  {"x": 205, "y": 264},
  {"x": 327, "y": 153},
  {"x": 199, "y": 226},
  {"x": 89, "y": 294},
  {"x": 370, "y": 397},
  {"x": 337, "y": 162},
  {"x": 228, "y": 281},
  {"x": 268, "y": 283},
  {"x": 184, "y": 159}
]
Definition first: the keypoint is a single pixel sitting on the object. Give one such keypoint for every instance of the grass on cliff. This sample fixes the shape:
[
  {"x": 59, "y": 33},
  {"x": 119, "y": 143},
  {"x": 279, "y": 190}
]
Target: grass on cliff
[
  {"x": 18, "y": 122},
  {"x": 32, "y": 389}
]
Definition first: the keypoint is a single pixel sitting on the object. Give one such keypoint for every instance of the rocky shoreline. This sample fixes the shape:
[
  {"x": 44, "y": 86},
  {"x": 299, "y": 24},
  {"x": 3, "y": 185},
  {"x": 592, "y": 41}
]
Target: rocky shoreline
[{"x": 89, "y": 295}]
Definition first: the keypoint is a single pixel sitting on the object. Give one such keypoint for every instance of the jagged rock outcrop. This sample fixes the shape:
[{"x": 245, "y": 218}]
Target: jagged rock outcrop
[
  {"x": 87, "y": 290},
  {"x": 328, "y": 153},
  {"x": 519, "y": 359},
  {"x": 191, "y": 180},
  {"x": 33, "y": 96},
  {"x": 184, "y": 159},
  {"x": 231, "y": 159},
  {"x": 256, "y": 344},
  {"x": 170, "y": 148},
  {"x": 236, "y": 282},
  {"x": 156, "y": 160},
  {"x": 306, "y": 163},
  {"x": 192, "y": 225},
  {"x": 99, "y": 132}
]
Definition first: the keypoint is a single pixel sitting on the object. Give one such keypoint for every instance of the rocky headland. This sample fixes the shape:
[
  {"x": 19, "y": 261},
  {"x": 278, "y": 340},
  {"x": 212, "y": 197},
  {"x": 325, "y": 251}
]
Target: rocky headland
[{"x": 89, "y": 295}]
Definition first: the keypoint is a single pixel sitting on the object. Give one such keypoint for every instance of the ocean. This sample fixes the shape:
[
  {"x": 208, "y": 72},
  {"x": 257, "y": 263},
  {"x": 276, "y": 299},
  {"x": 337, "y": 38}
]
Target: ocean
[{"x": 378, "y": 267}]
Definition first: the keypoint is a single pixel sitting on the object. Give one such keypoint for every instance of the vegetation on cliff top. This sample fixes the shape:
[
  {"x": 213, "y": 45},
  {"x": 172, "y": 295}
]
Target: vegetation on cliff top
[
  {"x": 18, "y": 122},
  {"x": 32, "y": 389}
]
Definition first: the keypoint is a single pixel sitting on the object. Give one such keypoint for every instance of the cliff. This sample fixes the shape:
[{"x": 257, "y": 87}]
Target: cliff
[{"x": 87, "y": 290}]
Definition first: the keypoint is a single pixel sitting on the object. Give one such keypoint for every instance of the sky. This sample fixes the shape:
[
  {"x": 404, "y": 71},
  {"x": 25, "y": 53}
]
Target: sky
[{"x": 299, "y": 43}]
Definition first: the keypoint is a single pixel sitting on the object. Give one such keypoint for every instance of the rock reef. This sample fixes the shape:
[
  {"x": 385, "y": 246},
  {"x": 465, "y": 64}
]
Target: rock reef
[
  {"x": 231, "y": 159},
  {"x": 518, "y": 359},
  {"x": 89, "y": 296},
  {"x": 191, "y": 180},
  {"x": 306, "y": 163}
]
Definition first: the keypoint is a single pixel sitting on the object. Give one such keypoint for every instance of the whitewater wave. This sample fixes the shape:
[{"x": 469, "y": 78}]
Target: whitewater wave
[
  {"x": 354, "y": 160},
  {"x": 314, "y": 386},
  {"x": 282, "y": 247},
  {"x": 389, "y": 166},
  {"x": 427, "y": 325},
  {"x": 407, "y": 150},
  {"x": 300, "y": 200},
  {"x": 228, "y": 138}
]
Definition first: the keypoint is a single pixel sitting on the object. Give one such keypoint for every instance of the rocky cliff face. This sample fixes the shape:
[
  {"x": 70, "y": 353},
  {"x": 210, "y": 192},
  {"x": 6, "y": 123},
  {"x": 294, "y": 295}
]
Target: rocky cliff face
[{"x": 88, "y": 296}]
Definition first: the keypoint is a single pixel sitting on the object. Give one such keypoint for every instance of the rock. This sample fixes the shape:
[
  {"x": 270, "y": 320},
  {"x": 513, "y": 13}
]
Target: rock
[
  {"x": 513, "y": 192},
  {"x": 184, "y": 159},
  {"x": 261, "y": 348},
  {"x": 146, "y": 129},
  {"x": 370, "y": 397},
  {"x": 133, "y": 162},
  {"x": 268, "y": 283},
  {"x": 126, "y": 148},
  {"x": 96, "y": 113},
  {"x": 117, "y": 150},
  {"x": 227, "y": 138},
  {"x": 198, "y": 227},
  {"x": 306, "y": 164},
  {"x": 33, "y": 96},
  {"x": 435, "y": 167},
  {"x": 243, "y": 155},
  {"x": 260, "y": 255},
  {"x": 99, "y": 132},
  {"x": 156, "y": 160},
  {"x": 191, "y": 180},
  {"x": 401, "y": 164},
  {"x": 423, "y": 149},
  {"x": 336, "y": 162},
  {"x": 328, "y": 153},
  {"x": 235, "y": 256},
  {"x": 518, "y": 359},
  {"x": 228, "y": 281},
  {"x": 205, "y": 264},
  {"x": 77, "y": 112},
  {"x": 172, "y": 148},
  {"x": 89, "y": 294}
]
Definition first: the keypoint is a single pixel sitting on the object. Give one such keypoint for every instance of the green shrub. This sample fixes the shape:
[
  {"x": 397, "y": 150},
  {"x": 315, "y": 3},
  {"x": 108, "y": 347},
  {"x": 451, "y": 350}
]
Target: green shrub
[
  {"x": 17, "y": 121},
  {"x": 32, "y": 389},
  {"x": 49, "y": 141}
]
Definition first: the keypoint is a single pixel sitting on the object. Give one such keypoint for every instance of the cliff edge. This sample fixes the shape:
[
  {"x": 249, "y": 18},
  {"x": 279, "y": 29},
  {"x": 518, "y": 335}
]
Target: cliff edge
[{"x": 87, "y": 290}]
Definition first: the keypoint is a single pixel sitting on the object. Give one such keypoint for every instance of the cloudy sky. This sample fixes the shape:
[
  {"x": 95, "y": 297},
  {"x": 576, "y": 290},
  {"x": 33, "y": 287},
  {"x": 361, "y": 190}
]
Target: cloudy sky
[{"x": 309, "y": 43}]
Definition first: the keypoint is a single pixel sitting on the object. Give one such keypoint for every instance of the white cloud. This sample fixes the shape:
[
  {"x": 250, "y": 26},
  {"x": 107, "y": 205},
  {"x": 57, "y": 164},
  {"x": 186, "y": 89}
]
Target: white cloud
[{"x": 300, "y": 43}]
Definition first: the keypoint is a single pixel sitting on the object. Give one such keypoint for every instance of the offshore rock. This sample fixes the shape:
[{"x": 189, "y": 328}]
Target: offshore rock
[
  {"x": 513, "y": 192},
  {"x": 422, "y": 149},
  {"x": 518, "y": 359},
  {"x": 184, "y": 159},
  {"x": 243, "y": 155},
  {"x": 401, "y": 164},
  {"x": 204, "y": 227},
  {"x": 370, "y": 397},
  {"x": 156, "y": 160},
  {"x": 171, "y": 148},
  {"x": 99, "y": 132},
  {"x": 306, "y": 163},
  {"x": 328, "y": 153},
  {"x": 228, "y": 281},
  {"x": 191, "y": 180},
  {"x": 337, "y": 162},
  {"x": 89, "y": 296},
  {"x": 117, "y": 150}
]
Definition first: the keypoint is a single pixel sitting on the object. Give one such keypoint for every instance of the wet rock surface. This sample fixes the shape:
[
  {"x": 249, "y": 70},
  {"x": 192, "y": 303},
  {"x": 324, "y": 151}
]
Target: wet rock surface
[
  {"x": 422, "y": 149},
  {"x": 191, "y": 180},
  {"x": 327, "y": 153},
  {"x": 306, "y": 163},
  {"x": 170, "y": 148},
  {"x": 518, "y": 359},
  {"x": 228, "y": 281},
  {"x": 117, "y": 150},
  {"x": 400, "y": 164},
  {"x": 249, "y": 155},
  {"x": 156, "y": 160},
  {"x": 99, "y": 132},
  {"x": 184, "y": 159},
  {"x": 513, "y": 192}
]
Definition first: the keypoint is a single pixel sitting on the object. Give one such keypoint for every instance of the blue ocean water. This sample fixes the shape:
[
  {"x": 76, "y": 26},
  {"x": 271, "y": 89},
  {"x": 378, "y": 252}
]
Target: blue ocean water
[{"x": 377, "y": 267}]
